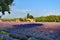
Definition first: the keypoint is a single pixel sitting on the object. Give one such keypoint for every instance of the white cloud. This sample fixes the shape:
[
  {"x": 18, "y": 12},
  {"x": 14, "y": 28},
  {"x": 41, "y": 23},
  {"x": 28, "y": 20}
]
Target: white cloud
[
  {"x": 51, "y": 12},
  {"x": 23, "y": 11}
]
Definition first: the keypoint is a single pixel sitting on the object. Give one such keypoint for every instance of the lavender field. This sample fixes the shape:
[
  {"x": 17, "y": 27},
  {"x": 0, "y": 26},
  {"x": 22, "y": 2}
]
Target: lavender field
[
  {"x": 30, "y": 31},
  {"x": 29, "y": 19}
]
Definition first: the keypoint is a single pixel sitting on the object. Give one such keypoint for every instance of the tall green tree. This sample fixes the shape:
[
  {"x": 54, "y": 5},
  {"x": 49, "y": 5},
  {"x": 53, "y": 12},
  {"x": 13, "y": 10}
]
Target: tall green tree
[
  {"x": 29, "y": 16},
  {"x": 5, "y": 6}
]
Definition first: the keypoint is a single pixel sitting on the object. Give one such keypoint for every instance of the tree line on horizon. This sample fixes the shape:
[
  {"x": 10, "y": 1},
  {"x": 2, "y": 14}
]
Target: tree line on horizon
[{"x": 50, "y": 18}]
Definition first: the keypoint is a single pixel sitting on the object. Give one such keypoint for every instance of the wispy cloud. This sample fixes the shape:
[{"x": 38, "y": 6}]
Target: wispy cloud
[
  {"x": 50, "y": 12},
  {"x": 23, "y": 11}
]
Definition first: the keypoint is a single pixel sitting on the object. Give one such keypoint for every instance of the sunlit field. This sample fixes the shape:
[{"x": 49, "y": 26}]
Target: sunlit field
[
  {"x": 30, "y": 31},
  {"x": 29, "y": 19}
]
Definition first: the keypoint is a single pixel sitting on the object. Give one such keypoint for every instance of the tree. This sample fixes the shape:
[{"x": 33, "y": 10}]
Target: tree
[
  {"x": 5, "y": 6},
  {"x": 29, "y": 16}
]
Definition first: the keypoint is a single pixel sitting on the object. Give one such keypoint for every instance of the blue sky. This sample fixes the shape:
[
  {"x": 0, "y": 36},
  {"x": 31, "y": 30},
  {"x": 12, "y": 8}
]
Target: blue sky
[{"x": 34, "y": 7}]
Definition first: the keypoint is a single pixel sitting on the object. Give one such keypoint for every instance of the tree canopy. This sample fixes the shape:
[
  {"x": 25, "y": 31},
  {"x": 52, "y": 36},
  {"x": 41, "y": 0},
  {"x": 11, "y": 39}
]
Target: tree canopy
[
  {"x": 50, "y": 18},
  {"x": 29, "y": 16},
  {"x": 5, "y": 6}
]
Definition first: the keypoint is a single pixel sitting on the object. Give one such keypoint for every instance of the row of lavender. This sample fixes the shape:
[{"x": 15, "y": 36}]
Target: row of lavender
[{"x": 22, "y": 32}]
